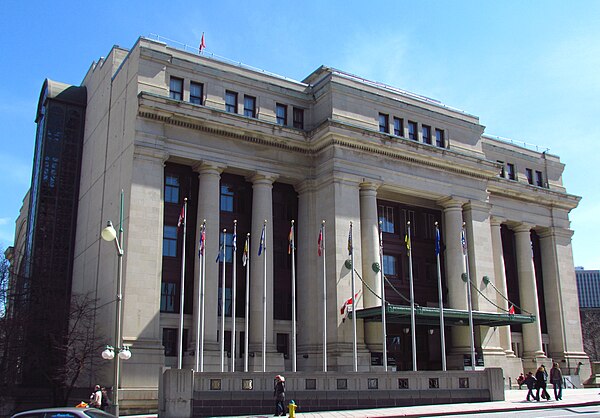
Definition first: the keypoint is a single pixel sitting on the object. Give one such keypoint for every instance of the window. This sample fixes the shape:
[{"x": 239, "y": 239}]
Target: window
[
  {"x": 281, "y": 114},
  {"x": 169, "y": 241},
  {"x": 384, "y": 123},
  {"x": 510, "y": 170},
  {"x": 226, "y": 198},
  {"x": 171, "y": 189},
  {"x": 230, "y": 101},
  {"x": 250, "y": 106},
  {"x": 228, "y": 246},
  {"x": 170, "y": 341},
  {"x": 176, "y": 88},
  {"x": 412, "y": 130},
  {"x": 439, "y": 138},
  {"x": 426, "y": 131},
  {"x": 168, "y": 297},
  {"x": 398, "y": 127},
  {"x": 283, "y": 345},
  {"x": 539, "y": 179},
  {"x": 298, "y": 118},
  {"x": 196, "y": 90},
  {"x": 386, "y": 217},
  {"x": 389, "y": 265},
  {"x": 503, "y": 171},
  {"x": 529, "y": 174}
]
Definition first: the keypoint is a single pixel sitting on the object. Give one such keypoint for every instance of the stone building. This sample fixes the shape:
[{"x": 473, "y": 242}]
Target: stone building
[{"x": 163, "y": 124}]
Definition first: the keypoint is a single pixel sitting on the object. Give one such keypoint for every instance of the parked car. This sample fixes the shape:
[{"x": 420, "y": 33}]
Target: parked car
[{"x": 65, "y": 412}]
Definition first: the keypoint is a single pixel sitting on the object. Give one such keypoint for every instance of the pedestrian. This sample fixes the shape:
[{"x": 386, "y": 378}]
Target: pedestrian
[
  {"x": 279, "y": 394},
  {"x": 96, "y": 397},
  {"x": 105, "y": 402},
  {"x": 520, "y": 380},
  {"x": 556, "y": 378},
  {"x": 530, "y": 383},
  {"x": 541, "y": 377}
]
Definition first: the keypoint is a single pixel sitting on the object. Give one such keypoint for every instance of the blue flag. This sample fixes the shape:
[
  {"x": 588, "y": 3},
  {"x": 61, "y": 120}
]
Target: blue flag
[
  {"x": 437, "y": 241},
  {"x": 262, "y": 240}
]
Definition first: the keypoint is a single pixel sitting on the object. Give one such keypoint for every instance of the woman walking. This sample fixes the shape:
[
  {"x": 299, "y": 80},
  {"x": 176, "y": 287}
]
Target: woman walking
[{"x": 541, "y": 377}]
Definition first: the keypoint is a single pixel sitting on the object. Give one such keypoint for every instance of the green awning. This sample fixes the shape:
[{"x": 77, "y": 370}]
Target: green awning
[{"x": 400, "y": 314}]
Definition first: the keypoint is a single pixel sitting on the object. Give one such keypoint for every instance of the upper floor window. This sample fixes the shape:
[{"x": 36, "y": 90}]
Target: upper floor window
[
  {"x": 510, "y": 171},
  {"x": 231, "y": 101},
  {"x": 176, "y": 88},
  {"x": 170, "y": 241},
  {"x": 503, "y": 170},
  {"x": 250, "y": 106},
  {"x": 439, "y": 138},
  {"x": 171, "y": 189},
  {"x": 384, "y": 123},
  {"x": 169, "y": 293},
  {"x": 539, "y": 179},
  {"x": 281, "y": 114},
  {"x": 390, "y": 265},
  {"x": 196, "y": 90},
  {"x": 412, "y": 130},
  {"x": 426, "y": 131},
  {"x": 529, "y": 174},
  {"x": 386, "y": 217},
  {"x": 227, "y": 195},
  {"x": 398, "y": 127},
  {"x": 298, "y": 118}
]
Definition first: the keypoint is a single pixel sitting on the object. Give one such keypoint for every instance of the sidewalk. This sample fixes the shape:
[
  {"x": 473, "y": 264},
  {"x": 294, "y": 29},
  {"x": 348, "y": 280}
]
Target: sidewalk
[{"x": 514, "y": 400}]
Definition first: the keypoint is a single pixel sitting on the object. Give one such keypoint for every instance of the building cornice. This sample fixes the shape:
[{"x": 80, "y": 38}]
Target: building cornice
[{"x": 499, "y": 187}]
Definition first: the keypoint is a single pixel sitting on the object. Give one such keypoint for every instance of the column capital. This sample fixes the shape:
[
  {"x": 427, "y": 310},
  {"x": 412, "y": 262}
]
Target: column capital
[
  {"x": 555, "y": 231},
  {"x": 496, "y": 221},
  {"x": 369, "y": 186},
  {"x": 451, "y": 202},
  {"x": 208, "y": 167},
  {"x": 150, "y": 153},
  {"x": 476, "y": 205},
  {"x": 305, "y": 186},
  {"x": 262, "y": 177},
  {"x": 520, "y": 227}
]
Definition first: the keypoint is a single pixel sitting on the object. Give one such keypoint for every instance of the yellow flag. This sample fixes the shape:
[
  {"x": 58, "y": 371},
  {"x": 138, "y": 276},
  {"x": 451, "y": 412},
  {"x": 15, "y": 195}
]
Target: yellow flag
[{"x": 407, "y": 241}]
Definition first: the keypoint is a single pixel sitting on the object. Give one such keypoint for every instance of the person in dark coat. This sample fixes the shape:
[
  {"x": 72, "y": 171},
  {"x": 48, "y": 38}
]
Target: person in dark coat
[
  {"x": 530, "y": 383},
  {"x": 541, "y": 377},
  {"x": 279, "y": 394},
  {"x": 556, "y": 378}
]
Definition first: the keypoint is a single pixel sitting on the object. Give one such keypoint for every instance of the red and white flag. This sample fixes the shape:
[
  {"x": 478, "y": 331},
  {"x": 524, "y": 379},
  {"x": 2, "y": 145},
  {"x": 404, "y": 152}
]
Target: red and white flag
[
  {"x": 511, "y": 310},
  {"x": 349, "y": 302},
  {"x": 202, "y": 44},
  {"x": 320, "y": 242},
  {"x": 181, "y": 220}
]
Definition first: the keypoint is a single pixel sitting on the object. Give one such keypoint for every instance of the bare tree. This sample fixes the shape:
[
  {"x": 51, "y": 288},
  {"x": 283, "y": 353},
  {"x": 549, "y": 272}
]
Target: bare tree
[{"x": 590, "y": 326}]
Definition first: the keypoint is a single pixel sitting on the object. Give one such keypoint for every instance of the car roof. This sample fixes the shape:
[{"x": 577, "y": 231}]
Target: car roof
[{"x": 66, "y": 409}]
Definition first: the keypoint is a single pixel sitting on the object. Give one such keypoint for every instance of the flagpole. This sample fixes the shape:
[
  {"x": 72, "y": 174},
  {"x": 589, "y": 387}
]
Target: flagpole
[
  {"x": 383, "y": 303},
  {"x": 354, "y": 300},
  {"x": 233, "y": 295},
  {"x": 292, "y": 251},
  {"x": 202, "y": 298},
  {"x": 182, "y": 292},
  {"x": 413, "y": 328},
  {"x": 322, "y": 247},
  {"x": 200, "y": 295},
  {"x": 469, "y": 304},
  {"x": 222, "y": 253},
  {"x": 264, "y": 341},
  {"x": 247, "y": 314},
  {"x": 440, "y": 297}
]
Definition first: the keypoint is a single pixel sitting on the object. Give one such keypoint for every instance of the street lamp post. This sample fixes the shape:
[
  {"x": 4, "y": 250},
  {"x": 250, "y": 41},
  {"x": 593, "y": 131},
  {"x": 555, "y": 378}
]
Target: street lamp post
[{"x": 109, "y": 234}]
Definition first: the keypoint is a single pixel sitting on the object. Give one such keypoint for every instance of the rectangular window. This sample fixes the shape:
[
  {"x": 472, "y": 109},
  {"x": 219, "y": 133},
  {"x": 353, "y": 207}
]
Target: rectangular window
[
  {"x": 439, "y": 138},
  {"x": 384, "y": 123},
  {"x": 283, "y": 344},
  {"x": 227, "y": 198},
  {"x": 426, "y": 131},
  {"x": 298, "y": 118},
  {"x": 176, "y": 88},
  {"x": 196, "y": 93},
  {"x": 529, "y": 173},
  {"x": 386, "y": 217},
  {"x": 389, "y": 265},
  {"x": 171, "y": 189},
  {"x": 412, "y": 130},
  {"x": 169, "y": 341},
  {"x": 398, "y": 127},
  {"x": 169, "y": 241},
  {"x": 539, "y": 179},
  {"x": 510, "y": 171},
  {"x": 231, "y": 101},
  {"x": 281, "y": 114},
  {"x": 250, "y": 106},
  {"x": 169, "y": 297}
]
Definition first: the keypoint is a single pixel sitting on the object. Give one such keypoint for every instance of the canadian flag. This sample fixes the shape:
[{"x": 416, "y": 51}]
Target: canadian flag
[
  {"x": 181, "y": 220},
  {"x": 511, "y": 310},
  {"x": 348, "y": 303}
]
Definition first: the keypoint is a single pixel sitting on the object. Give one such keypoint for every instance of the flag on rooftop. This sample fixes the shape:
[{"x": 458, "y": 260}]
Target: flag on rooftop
[{"x": 202, "y": 44}]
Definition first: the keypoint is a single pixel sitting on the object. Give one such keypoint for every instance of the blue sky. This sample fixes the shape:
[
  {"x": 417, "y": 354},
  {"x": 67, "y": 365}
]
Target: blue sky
[{"x": 528, "y": 69}]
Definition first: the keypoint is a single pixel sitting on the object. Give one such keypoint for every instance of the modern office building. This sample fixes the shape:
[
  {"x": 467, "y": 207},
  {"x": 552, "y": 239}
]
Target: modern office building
[
  {"x": 588, "y": 288},
  {"x": 244, "y": 145}
]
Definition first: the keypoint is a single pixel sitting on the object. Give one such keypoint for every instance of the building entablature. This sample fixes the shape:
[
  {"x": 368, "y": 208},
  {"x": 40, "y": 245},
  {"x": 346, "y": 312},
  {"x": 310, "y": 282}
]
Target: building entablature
[{"x": 532, "y": 194}]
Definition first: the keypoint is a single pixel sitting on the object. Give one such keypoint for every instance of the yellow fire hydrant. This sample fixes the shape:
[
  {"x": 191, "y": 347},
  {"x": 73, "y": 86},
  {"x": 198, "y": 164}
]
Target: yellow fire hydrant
[{"x": 292, "y": 408}]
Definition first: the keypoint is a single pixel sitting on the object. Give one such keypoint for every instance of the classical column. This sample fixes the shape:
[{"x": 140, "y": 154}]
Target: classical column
[
  {"x": 500, "y": 279},
  {"x": 532, "y": 334},
  {"x": 560, "y": 294},
  {"x": 209, "y": 175},
  {"x": 262, "y": 209},
  {"x": 369, "y": 239}
]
